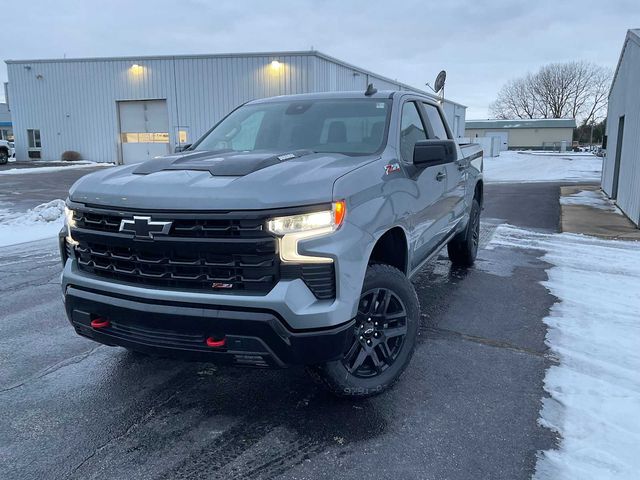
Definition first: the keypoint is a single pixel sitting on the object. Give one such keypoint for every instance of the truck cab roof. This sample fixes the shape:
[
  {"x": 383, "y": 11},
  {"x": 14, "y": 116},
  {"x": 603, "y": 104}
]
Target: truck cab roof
[{"x": 382, "y": 94}]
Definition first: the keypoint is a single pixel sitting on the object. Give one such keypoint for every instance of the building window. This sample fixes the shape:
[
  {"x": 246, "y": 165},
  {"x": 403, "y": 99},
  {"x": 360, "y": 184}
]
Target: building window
[
  {"x": 33, "y": 137},
  {"x": 145, "y": 137}
]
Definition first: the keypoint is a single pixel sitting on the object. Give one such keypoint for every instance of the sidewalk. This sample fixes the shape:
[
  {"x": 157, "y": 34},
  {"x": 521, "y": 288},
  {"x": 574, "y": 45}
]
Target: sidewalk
[{"x": 585, "y": 209}]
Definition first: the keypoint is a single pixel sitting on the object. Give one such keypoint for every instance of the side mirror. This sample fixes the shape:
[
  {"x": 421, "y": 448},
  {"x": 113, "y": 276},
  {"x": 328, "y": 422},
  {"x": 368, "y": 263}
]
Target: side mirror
[
  {"x": 429, "y": 153},
  {"x": 182, "y": 148}
]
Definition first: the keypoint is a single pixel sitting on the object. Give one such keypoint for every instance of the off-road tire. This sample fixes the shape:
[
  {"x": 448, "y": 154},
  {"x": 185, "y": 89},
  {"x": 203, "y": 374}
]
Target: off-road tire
[
  {"x": 463, "y": 248},
  {"x": 336, "y": 377},
  {"x": 4, "y": 157}
]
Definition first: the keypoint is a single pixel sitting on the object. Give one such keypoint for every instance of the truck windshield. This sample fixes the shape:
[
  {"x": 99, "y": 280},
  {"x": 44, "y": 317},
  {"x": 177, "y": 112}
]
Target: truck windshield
[{"x": 348, "y": 126}]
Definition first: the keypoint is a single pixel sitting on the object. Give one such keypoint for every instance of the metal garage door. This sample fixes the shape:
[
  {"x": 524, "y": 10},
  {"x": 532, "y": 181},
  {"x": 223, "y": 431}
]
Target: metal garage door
[
  {"x": 504, "y": 139},
  {"x": 144, "y": 130}
]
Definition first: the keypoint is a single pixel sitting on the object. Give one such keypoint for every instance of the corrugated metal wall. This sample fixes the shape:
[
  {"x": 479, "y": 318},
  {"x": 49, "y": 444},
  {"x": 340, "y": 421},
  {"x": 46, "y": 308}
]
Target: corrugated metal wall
[
  {"x": 331, "y": 75},
  {"x": 74, "y": 102},
  {"x": 209, "y": 88},
  {"x": 624, "y": 100}
]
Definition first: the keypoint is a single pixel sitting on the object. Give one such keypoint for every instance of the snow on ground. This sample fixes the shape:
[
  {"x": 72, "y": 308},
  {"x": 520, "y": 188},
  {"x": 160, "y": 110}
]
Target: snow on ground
[
  {"x": 594, "y": 330},
  {"x": 557, "y": 154},
  {"x": 35, "y": 169},
  {"x": 590, "y": 198},
  {"x": 513, "y": 166},
  {"x": 40, "y": 222}
]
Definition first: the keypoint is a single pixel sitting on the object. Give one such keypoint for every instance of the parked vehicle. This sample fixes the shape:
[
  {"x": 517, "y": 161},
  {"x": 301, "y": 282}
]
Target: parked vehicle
[
  {"x": 286, "y": 235},
  {"x": 6, "y": 151}
]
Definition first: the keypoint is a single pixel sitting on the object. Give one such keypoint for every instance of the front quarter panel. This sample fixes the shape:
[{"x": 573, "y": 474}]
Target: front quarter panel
[{"x": 376, "y": 202}]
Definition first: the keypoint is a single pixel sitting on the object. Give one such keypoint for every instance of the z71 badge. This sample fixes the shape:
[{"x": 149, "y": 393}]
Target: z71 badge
[{"x": 391, "y": 167}]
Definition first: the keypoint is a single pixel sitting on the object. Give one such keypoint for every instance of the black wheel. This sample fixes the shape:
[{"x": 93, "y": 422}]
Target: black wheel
[
  {"x": 4, "y": 157},
  {"x": 383, "y": 340},
  {"x": 463, "y": 248}
]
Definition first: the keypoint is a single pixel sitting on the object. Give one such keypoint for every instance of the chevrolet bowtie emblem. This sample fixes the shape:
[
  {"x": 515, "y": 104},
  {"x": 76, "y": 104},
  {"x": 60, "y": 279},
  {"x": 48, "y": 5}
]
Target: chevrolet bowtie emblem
[{"x": 144, "y": 227}]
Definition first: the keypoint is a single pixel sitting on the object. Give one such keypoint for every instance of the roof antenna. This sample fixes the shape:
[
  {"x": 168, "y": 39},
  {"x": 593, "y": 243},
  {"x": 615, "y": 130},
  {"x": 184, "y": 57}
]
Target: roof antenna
[{"x": 371, "y": 90}]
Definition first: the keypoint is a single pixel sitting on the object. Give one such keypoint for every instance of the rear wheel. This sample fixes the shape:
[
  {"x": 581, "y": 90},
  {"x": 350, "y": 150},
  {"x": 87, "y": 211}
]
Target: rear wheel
[
  {"x": 383, "y": 338},
  {"x": 463, "y": 248}
]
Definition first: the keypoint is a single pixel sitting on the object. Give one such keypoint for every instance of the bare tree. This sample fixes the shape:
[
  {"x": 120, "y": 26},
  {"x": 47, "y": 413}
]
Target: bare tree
[
  {"x": 596, "y": 109},
  {"x": 515, "y": 100},
  {"x": 558, "y": 90}
]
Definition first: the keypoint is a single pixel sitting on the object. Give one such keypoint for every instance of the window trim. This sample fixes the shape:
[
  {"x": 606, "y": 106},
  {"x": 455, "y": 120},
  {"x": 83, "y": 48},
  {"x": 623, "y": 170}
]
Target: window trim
[
  {"x": 416, "y": 102},
  {"x": 442, "y": 119},
  {"x": 35, "y": 146}
]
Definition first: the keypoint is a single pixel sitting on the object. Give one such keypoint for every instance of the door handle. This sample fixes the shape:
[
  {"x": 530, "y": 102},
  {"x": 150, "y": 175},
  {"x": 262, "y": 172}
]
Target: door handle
[{"x": 441, "y": 176}]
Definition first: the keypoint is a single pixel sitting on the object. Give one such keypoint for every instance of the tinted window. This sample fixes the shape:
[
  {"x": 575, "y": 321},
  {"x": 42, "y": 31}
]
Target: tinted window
[
  {"x": 435, "y": 120},
  {"x": 245, "y": 138},
  {"x": 348, "y": 126},
  {"x": 411, "y": 130}
]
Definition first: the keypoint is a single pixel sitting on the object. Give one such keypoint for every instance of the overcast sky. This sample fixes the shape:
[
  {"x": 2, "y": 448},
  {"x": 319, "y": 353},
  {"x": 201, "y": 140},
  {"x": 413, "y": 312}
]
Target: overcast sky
[{"x": 481, "y": 44}]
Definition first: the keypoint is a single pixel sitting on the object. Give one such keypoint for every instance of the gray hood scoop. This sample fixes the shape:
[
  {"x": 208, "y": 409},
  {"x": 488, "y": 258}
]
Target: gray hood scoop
[{"x": 227, "y": 163}]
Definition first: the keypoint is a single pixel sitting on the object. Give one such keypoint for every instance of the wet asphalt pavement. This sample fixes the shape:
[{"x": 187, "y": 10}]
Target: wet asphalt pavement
[
  {"x": 24, "y": 191},
  {"x": 465, "y": 408}
]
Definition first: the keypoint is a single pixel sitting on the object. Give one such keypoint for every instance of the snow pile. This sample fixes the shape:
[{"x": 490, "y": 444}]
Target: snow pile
[
  {"x": 525, "y": 167},
  {"x": 594, "y": 330},
  {"x": 36, "y": 169},
  {"x": 590, "y": 198},
  {"x": 40, "y": 222},
  {"x": 46, "y": 212}
]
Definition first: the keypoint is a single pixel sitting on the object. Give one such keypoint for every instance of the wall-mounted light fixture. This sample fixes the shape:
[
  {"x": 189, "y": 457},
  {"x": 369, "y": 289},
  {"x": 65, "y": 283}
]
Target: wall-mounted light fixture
[
  {"x": 276, "y": 65},
  {"x": 136, "y": 69}
]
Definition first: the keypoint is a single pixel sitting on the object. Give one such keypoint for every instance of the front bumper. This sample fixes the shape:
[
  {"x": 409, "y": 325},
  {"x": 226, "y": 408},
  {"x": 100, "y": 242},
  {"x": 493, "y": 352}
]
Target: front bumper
[
  {"x": 287, "y": 325},
  {"x": 255, "y": 337}
]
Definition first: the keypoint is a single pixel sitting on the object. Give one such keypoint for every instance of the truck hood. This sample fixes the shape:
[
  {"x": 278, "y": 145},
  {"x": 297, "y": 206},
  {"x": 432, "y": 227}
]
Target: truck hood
[{"x": 218, "y": 181}]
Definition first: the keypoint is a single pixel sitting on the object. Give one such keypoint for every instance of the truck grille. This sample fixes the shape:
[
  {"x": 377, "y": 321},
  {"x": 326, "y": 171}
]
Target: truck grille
[
  {"x": 182, "y": 227},
  {"x": 216, "y": 252},
  {"x": 199, "y": 252}
]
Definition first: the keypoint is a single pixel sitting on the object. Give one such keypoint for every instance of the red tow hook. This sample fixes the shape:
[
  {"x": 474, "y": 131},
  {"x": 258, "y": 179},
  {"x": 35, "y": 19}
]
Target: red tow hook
[
  {"x": 213, "y": 343},
  {"x": 99, "y": 323}
]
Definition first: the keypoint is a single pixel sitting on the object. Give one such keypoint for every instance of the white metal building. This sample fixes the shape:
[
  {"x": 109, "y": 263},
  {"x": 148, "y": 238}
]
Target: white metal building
[
  {"x": 133, "y": 108},
  {"x": 525, "y": 134},
  {"x": 621, "y": 168},
  {"x": 6, "y": 128}
]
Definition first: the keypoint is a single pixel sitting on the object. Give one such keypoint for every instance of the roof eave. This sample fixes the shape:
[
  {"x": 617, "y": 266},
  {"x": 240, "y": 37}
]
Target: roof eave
[{"x": 633, "y": 35}]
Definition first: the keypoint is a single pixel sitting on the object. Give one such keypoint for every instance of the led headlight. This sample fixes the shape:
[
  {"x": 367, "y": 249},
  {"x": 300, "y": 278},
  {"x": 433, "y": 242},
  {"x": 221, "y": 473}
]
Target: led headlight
[
  {"x": 69, "y": 222},
  {"x": 290, "y": 230}
]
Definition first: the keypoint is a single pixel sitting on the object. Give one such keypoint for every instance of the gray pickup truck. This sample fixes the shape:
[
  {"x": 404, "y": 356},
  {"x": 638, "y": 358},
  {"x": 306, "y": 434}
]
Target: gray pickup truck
[{"x": 286, "y": 235}]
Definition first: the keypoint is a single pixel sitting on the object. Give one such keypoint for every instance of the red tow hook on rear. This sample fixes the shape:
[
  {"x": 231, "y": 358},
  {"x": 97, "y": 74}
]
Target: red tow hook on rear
[
  {"x": 213, "y": 343},
  {"x": 100, "y": 323}
]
